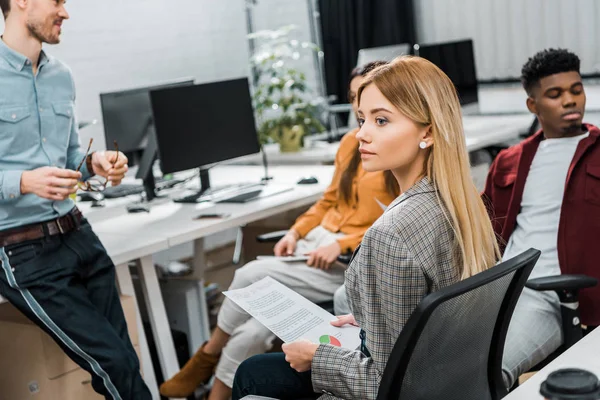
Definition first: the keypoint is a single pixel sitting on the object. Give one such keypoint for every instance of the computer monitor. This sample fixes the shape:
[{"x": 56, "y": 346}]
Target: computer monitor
[
  {"x": 457, "y": 60},
  {"x": 383, "y": 53},
  {"x": 127, "y": 117},
  {"x": 198, "y": 126}
]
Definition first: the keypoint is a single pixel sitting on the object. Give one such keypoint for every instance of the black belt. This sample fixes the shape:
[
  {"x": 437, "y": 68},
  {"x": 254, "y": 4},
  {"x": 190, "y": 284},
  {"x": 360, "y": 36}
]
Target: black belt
[{"x": 59, "y": 226}]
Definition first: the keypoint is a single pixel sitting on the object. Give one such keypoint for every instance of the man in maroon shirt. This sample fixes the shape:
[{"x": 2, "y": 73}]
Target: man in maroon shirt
[{"x": 545, "y": 193}]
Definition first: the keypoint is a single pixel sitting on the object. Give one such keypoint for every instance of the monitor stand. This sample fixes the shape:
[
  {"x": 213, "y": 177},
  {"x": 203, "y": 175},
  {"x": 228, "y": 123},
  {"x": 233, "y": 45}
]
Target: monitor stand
[
  {"x": 146, "y": 163},
  {"x": 265, "y": 178},
  {"x": 204, "y": 180},
  {"x": 204, "y": 186}
]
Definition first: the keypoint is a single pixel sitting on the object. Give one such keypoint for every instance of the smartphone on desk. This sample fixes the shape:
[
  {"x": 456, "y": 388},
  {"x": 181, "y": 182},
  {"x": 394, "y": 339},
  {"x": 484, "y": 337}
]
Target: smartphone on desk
[{"x": 211, "y": 215}]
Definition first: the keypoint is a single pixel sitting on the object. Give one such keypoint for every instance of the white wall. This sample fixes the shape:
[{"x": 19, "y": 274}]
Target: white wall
[
  {"x": 114, "y": 44},
  {"x": 507, "y": 32}
]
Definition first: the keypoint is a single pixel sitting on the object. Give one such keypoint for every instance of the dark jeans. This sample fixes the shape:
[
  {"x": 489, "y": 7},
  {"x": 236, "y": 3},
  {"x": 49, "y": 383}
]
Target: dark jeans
[
  {"x": 66, "y": 285},
  {"x": 270, "y": 375}
]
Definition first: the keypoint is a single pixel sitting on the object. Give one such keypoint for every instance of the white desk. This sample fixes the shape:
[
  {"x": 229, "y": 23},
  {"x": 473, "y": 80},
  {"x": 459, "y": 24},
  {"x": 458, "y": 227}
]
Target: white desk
[
  {"x": 174, "y": 221},
  {"x": 484, "y": 131},
  {"x": 585, "y": 355},
  {"x": 317, "y": 152},
  {"x": 136, "y": 236}
]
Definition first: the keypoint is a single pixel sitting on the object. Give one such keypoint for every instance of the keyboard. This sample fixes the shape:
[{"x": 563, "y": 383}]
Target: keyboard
[
  {"x": 239, "y": 197},
  {"x": 217, "y": 192},
  {"x": 124, "y": 189},
  {"x": 253, "y": 193}
]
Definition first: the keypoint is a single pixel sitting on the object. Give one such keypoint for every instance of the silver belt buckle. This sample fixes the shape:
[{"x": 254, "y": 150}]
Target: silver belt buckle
[{"x": 60, "y": 228}]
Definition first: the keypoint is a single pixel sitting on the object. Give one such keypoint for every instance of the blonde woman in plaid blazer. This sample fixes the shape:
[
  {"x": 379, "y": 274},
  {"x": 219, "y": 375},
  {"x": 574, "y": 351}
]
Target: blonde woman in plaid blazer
[{"x": 435, "y": 234}]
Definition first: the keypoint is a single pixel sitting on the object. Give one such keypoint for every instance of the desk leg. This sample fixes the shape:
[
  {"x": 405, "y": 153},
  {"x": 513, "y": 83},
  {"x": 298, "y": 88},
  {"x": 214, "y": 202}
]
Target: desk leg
[
  {"x": 126, "y": 288},
  {"x": 199, "y": 265},
  {"x": 158, "y": 317}
]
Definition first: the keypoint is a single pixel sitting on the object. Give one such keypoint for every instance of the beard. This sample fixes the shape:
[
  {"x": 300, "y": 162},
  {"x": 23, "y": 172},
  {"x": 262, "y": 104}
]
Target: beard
[
  {"x": 574, "y": 129},
  {"x": 40, "y": 31}
]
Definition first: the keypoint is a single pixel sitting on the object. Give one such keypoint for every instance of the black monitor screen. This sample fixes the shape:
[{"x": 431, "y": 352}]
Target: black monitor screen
[
  {"x": 457, "y": 60},
  {"x": 127, "y": 116},
  {"x": 203, "y": 124}
]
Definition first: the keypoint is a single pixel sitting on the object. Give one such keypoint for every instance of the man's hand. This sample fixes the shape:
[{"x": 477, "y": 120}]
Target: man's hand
[
  {"x": 300, "y": 354},
  {"x": 342, "y": 320},
  {"x": 50, "y": 182},
  {"x": 103, "y": 163},
  {"x": 287, "y": 244},
  {"x": 325, "y": 256}
]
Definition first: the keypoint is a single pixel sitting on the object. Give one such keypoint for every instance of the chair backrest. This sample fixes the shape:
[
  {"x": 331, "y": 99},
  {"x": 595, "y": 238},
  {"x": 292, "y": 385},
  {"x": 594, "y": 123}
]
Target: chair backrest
[{"x": 451, "y": 347}]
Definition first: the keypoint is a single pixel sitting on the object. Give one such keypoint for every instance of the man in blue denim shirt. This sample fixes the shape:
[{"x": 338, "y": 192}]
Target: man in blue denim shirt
[{"x": 54, "y": 268}]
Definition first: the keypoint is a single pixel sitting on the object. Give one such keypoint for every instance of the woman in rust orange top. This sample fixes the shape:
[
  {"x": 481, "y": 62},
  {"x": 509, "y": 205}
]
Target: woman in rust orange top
[{"x": 334, "y": 225}]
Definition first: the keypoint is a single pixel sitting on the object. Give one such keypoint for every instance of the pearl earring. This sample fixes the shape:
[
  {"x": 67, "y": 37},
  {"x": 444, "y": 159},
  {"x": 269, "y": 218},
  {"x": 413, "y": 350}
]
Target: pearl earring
[{"x": 423, "y": 144}]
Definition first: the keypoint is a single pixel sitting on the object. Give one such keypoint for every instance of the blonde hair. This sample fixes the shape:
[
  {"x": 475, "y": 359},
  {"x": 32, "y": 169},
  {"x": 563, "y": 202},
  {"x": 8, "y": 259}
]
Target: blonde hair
[{"x": 424, "y": 94}]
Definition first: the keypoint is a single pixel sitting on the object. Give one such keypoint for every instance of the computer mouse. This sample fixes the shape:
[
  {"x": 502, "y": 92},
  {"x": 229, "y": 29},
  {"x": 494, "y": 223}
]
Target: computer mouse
[
  {"x": 90, "y": 196},
  {"x": 308, "y": 181},
  {"x": 137, "y": 207}
]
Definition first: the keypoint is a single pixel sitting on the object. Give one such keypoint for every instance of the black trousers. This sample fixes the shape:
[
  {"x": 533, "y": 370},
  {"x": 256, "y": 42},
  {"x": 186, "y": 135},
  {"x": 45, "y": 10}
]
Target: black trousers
[
  {"x": 269, "y": 375},
  {"x": 66, "y": 285}
]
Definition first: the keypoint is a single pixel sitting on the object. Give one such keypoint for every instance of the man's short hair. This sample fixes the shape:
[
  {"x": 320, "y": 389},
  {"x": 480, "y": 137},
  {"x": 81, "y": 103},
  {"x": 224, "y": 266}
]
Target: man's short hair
[{"x": 545, "y": 63}]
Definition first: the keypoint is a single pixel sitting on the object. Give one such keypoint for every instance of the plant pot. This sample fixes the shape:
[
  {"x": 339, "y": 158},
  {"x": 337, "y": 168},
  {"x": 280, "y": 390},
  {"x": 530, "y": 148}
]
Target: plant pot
[{"x": 291, "y": 139}]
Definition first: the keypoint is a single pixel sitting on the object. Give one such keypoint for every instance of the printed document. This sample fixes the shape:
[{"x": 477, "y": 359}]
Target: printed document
[{"x": 291, "y": 316}]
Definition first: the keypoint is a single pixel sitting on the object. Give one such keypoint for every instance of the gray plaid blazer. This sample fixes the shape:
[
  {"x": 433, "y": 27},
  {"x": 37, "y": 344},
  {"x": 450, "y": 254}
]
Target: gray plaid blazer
[{"x": 409, "y": 252}]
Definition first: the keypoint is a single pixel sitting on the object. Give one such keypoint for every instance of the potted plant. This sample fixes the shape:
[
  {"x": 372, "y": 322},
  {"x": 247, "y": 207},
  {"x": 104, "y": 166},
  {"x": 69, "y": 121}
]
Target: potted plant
[{"x": 285, "y": 107}]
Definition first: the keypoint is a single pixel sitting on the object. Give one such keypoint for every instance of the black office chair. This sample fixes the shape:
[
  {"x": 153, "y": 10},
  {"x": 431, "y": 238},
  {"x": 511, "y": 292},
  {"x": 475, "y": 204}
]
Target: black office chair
[
  {"x": 451, "y": 346},
  {"x": 273, "y": 237},
  {"x": 567, "y": 288}
]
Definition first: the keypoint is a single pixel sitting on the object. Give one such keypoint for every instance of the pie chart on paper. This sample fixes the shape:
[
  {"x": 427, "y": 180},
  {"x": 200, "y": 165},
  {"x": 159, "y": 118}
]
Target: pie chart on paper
[{"x": 328, "y": 339}]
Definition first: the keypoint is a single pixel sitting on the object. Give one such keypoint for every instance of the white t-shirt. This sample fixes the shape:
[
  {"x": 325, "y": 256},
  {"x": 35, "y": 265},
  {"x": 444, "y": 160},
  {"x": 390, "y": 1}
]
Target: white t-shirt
[{"x": 537, "y": 222}]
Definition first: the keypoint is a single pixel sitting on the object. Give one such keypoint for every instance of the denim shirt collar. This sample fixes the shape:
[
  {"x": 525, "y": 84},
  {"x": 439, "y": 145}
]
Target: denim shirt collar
[{"x": 17, "y": 60}]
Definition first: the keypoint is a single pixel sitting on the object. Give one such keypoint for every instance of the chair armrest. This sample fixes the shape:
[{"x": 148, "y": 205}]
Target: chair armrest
[
  {"x": 562, "y": 282},
  {"x": 567, "y": 287},
  {"x": 270, "y": 237}
]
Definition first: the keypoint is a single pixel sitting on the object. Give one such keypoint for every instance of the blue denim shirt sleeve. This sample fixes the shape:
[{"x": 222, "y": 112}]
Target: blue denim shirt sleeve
[{"x": 10, "y": 182}]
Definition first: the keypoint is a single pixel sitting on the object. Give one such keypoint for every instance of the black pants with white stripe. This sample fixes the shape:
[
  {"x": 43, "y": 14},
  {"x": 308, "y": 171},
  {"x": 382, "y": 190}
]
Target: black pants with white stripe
[{"x": 66, "y": 285}]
